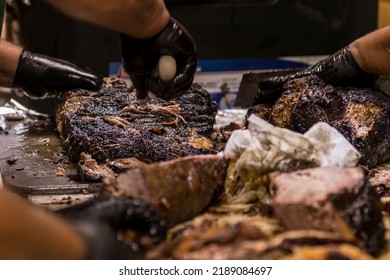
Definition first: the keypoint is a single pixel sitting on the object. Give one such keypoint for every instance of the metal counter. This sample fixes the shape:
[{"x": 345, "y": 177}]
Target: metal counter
[{"x": 32, "y": 163}]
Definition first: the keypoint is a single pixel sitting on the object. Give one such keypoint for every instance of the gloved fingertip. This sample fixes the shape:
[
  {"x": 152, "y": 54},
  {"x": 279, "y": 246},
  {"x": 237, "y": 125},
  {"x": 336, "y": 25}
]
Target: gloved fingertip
[{"x": 141, "y": 93}]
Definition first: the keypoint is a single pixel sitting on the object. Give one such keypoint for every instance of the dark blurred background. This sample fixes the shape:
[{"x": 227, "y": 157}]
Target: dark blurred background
[{"x": 222, "y": 29}]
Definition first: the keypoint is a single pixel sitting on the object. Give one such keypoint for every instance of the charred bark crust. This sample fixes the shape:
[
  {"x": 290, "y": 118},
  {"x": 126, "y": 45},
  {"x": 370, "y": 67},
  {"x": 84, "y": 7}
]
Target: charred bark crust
[
  {"x": 363, "y": 215},
  {"x": 112, "y": 123},
  {"x": 346, "y": 204}
]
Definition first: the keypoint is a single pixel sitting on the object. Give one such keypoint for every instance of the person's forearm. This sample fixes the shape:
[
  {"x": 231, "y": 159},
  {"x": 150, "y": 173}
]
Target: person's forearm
[
  {"x": 372, "y": 52},
  {"x": 136, "y": 18},
  {"x": 30, "y": 232},
  {"x": 9, "y": 57}
]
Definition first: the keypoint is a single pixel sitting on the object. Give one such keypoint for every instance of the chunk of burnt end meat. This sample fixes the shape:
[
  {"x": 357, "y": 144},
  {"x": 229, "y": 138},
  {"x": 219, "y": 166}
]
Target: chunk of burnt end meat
[
  {"x": 221, "y": 135},
  {"x": 262, "y": 111},
  {"x": 123, "y": 164},
  {"x": 180, "y": 188},
  {"x": 333, "y": 199},
  {"x": 112, "y": 123},
  {"x": 361, "y": 115},
  {"x": 88, "y": 170}
]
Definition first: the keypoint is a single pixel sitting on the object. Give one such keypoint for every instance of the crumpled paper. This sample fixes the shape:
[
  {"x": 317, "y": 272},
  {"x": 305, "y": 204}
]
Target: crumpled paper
[{"x": 264, "y": 148}]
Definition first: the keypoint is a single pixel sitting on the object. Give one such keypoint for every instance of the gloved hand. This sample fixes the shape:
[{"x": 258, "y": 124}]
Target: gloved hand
[
  {"x": 99, "y": 221},
  {"x": 141, "y": 57},
  {"x": 37, "y": 75},
  {"x": 339, "y": 69}
]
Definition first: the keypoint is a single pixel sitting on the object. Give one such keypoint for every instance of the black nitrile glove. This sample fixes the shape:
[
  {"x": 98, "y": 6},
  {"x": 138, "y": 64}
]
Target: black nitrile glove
[
  {"x": 339, "y": 69},
  {"x": 141, "y": 56},
  {"x": 37, "y": 75},
  {"x": 99, "y": 221}
]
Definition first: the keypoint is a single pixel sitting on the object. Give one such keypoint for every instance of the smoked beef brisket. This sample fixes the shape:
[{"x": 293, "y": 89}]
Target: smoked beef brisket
[
  {"x": 362, "y": 115},
  {"x": 180, "y": 189},
  {"x": 112, "y": 123},
  {"x": 332, "y": 199}
]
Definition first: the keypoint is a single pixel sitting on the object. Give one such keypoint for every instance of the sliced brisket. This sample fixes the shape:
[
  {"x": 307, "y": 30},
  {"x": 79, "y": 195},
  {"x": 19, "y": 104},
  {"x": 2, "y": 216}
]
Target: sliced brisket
[{"x": 332, "y": 199}]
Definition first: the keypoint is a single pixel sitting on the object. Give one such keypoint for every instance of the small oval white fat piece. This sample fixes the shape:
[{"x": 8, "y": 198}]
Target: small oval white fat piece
[
  {"x": 166, "y": 67},
  {"x": 152, "y": 95}
]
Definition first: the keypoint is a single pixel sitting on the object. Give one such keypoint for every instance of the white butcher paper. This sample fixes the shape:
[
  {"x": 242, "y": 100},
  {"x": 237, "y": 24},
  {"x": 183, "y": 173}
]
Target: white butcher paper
[
  {"x": 264, "y": 148},
  {"x": 333, "y": 148}
]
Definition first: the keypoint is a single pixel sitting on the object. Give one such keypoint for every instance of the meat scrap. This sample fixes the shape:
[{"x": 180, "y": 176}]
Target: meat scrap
[
  {"x": 113, "y": 124},
  {"x": 180, "y": 189},
  {"x": 332, "y": 199},
  {"x": 89, "y": 170}
]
